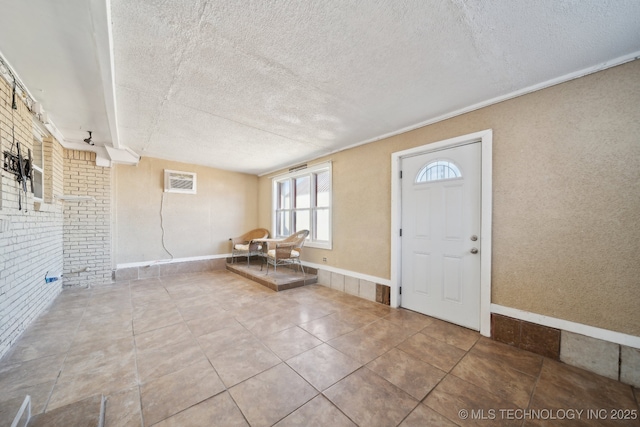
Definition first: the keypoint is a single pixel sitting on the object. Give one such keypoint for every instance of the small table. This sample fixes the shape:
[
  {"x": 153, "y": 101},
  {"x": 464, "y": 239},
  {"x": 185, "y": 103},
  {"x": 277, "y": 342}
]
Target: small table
[
  {"x": 265, "y": 246},
  {"x": 266, "y": 240}
]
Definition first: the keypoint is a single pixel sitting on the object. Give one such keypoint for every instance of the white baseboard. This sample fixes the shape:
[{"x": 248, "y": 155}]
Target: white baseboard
[
  {"x": 171, "y": 261},
  {"x": 566, "y": 325}
]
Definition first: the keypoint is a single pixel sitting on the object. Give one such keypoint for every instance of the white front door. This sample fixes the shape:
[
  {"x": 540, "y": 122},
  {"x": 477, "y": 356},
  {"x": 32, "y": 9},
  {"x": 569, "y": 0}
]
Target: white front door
[{"x": 441, "y": 234}]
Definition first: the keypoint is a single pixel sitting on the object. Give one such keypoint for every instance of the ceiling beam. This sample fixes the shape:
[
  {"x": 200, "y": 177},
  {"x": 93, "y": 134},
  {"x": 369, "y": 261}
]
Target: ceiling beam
[{"x": 103, "y": 40}]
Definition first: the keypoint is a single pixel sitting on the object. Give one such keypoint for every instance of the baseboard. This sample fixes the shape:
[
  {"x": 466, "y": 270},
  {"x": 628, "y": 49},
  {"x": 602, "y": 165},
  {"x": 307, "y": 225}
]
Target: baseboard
[
  {"x": 608, "y": 353},
  {"x": 170, "y": 261},
  {"x": 176, "y": 266},
  {"x": 566, "y": 325}
]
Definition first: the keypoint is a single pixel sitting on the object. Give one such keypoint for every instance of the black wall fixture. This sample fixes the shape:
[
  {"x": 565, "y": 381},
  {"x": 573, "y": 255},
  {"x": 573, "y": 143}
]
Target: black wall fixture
[{"x": 88, "y": 140}]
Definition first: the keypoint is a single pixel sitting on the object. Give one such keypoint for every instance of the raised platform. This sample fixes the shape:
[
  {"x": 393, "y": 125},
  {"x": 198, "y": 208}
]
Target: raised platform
[{"x": 285, "y": 278}]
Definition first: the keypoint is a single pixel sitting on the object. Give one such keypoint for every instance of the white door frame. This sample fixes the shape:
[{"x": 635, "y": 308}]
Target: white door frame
[{"x": 485, "y": 138}]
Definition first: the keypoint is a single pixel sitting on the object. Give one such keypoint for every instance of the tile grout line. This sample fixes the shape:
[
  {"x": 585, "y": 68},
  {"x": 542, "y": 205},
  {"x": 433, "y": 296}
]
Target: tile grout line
[
  {"x": 321, "y": 393},
  {"x": 303, "y": 379},
  {"x": 636, "y": 394},
  {"x": 201, "y": 349},
  {"x": 135, "y": 355},
  {"x": 490, "y": 392},
  {"x": 66, "y": 354},
  {"x": 441, "y": 379},
  {"x": 419, "y": 401},
  {"x": 226, "y": 389},
  {"x": 535, "y": 386},
  {"x": 286, "y": 364}
]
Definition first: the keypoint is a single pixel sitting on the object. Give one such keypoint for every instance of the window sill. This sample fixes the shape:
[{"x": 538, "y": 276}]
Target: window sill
[
  {"x": 318, "y": 245},
  {"x": 43, "y": 206}
]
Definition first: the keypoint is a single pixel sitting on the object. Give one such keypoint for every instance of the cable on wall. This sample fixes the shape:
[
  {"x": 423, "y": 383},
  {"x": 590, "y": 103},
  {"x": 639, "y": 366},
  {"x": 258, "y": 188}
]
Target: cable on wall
[
  {"x": 7, "y": 73},
  {"x": 162, "y": 225},
  {"x": 16, "y": 163}
]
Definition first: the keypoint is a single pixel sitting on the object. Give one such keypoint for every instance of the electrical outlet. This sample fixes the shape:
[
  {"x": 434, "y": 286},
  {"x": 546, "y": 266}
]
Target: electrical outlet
[{"x": 324, "y": 259}]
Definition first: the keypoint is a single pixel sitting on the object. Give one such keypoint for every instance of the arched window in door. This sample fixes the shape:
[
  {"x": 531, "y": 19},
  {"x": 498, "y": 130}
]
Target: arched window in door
[{"x": 438, "y": 170}]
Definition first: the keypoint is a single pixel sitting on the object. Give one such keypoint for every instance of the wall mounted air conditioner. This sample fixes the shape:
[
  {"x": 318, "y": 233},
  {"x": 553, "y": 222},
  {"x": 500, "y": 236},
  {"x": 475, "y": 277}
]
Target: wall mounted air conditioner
[{"x": 179, "y": 182}]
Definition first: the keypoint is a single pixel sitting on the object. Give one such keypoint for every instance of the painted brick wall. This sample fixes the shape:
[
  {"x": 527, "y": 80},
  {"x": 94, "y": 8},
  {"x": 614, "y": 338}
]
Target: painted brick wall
[
  {"x": 87, "y": 224},
  {"x": 31, "y": 238},
  {"x": 53, "y": 168}
]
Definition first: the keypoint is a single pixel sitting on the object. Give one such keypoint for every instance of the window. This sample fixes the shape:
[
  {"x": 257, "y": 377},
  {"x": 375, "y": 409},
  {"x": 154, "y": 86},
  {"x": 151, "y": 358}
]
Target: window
[
  {"x": 37, "y": 186},
  {"x": 438, "y": 171},
  {"x": 302, "y": 201}
]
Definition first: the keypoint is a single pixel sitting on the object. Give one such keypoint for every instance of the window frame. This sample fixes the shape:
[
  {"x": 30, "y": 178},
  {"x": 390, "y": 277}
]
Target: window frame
[
  {"x": 424, "y": 170},
  {"x": 38, "y": 137},
  {"x": 311, "y": 172}
]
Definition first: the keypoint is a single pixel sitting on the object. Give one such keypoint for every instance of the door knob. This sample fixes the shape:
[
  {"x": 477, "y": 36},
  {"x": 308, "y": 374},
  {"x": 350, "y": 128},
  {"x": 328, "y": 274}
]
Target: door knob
[{"x": 474, "y": 250}]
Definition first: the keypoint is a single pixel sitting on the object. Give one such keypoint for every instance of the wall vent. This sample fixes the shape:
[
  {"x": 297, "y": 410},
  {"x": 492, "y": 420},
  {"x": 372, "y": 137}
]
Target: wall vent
[
  {"x": 179, "y": 182},
  {"x": 298, "y": 168}
]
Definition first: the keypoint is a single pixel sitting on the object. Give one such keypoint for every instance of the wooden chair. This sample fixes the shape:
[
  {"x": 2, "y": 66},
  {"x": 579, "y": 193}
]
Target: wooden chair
[
  {"x": 286, "y": 251},
  {"x": 245, "y": 246}
]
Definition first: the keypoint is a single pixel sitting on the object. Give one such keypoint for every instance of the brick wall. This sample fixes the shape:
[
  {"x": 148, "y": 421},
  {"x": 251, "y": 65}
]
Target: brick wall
[
  {"x": 87, "y": 224},
  {"x": 53, "y": 168},
  {"x": 31, "y": 238}
]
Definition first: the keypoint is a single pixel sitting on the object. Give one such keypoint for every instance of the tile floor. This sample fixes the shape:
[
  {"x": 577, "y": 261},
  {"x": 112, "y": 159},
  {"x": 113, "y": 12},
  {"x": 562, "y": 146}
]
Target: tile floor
[{"x": 217, "y": 349}]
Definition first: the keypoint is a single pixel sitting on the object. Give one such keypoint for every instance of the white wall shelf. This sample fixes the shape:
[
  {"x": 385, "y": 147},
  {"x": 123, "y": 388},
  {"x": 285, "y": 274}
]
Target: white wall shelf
[{"x": 71, "y": 198}]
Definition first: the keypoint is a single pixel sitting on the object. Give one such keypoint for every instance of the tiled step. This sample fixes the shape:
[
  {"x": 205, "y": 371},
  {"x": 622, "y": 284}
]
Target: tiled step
[{"x": 284, "y": 278}]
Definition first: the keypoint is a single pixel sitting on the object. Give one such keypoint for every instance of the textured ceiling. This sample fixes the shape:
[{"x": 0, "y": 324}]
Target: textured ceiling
[{"x": 253, "y": 86}]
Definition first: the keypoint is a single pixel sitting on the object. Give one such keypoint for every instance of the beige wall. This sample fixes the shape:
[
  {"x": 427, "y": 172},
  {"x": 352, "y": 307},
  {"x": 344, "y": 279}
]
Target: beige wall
[
  {"x": 566, "y": 199},
  {"x": 195, "y": 225}
]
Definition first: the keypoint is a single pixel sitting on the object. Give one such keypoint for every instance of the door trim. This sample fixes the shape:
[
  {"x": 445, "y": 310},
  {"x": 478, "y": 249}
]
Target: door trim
[{"x": 485, "y": 138}]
